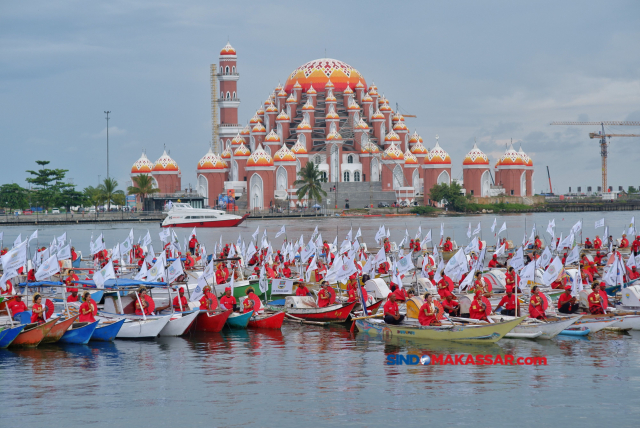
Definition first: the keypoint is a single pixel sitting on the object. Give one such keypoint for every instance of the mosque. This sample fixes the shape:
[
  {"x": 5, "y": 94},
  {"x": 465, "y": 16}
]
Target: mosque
[{"x": 327, "y": 113}]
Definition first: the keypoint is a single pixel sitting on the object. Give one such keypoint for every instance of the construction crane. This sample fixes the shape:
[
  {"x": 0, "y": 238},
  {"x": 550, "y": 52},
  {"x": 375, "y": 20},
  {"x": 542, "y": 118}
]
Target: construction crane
[{"x": 603, "y": 140}]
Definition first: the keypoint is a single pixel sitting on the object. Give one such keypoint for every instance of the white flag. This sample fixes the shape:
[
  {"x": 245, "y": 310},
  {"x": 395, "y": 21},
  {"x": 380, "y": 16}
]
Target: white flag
[
  {"x": 34, "y": 235},
  {"x": 61, "y": 239},
  {"x": 307, "y": 251},
  {"x": 380, "y": 258},
  {"x": 550, "y": 230},
  {"x": 468, "y": 281},
  {"x": 101, "y": 276},
  {"x": 311, "y": 268},
  {"x": 566, "y": 242},
  {"x": 477, "y": 229},
  {"x": 528, "y": 275},
  {"x": 174, "y": 271},
  {"x": 198, "y": 292},
  {"x": 518, "y": 260},
  {"x": 552, "y": 272},
  {"x": 6, "y": 276},
  {"x": 503, "y": 228},
  {"x": 255, "y": 234},
  {"x": 15, "y": 258},
  {"x": 209, "y": 271},
  {"x": 282, "y": 232},
  {"x": 418, "y": 235},
  {"x": 143, "y": 273},
  {"x": 48, "y": 268},
  {"x": 545, "y": 258},
  {"x": 500, "y": 251},
  {"x": 263, "y": 282},
  {"x": 17, "y": 241},
  {"x": 599, "y": 223},
  {"x": 493, "y": 226},
  {"x": 380, "y": 234},
  {"x": 358, "y": 234},
  {"x": 577, "y": 227},
  {"x": 64, "y": 253},
  {"x": 165, "y": 234},
  {"x": 457, "y": 264},
  {"x": 573, "y": 256},
  {"x": 157, "y": 270},
  {"x": 632, "y": 226},
  {"x": 427, "y": 238},
  {"x": 405, "y": 265},
  {"x": 469, "y": 231},
  {"x": 147, "y": 239},
  {"x": 441, "y": 230}
]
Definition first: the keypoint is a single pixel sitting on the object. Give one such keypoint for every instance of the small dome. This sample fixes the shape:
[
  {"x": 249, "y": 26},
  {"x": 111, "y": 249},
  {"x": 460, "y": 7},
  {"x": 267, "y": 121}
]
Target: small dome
[
  {"x": 142, "y": 165},
  {"x": 227, "y": 50},
  {"x": 377, "y": 115},
  {"x": 410, "y": 158},
  {"x": 400, "y": 126},
  {"x": 260, "y": 158},
  {"x": 308, "y": 105},
  {"x": 292, "y": 98},
  {"x": 329, "y": 85},
  {"x": 166, "y": 164},
  {"x": 282, "y": 93},
  {"x": 260, "y": 112},
  {"x": 272, "y": 137},
  {"x": 332, "y": 115},
  {"x": 391, "y": 137},
  {"x": 237, "y": 140},
  {"x": 272, "y": 109},
  {"x": 475, "y": 157},
  {"x": 297, "y": 85},
  {"x": 226, "y": 154},
  {"x": 414, "y": 138},
  {"x": 284, "y": 155},
  {"x": 392, "y": 153},
  {"x": 330, "y": 98},
  {"x": 242, "y": 151},
  {"x": 437, "y": 156},
  {"x": 373, "y": 90},
  {"x": 419, "y": 149},
  {"x": 311, "y": 91},
  {"x": 246, "y": 130},
  {"x": 258, "y": 128},
  {"x": 304, "y": 125},
  {"x": 369, "y": 147},
  {"x": 385, "y": 107},
  {"x": 334, "y": 136},
  {"x": 299, "y": 149},
  {"x": 348, "y": 90},
  {"x": 255, "y": 119},
  {"x": 510, "y": 158},
  {"x": 278, "y": 88},
  {"x": 282, "y": 116},
  {"x": 361, "y": 124},
  {"x": 367, "y": 98},
  {"x": 268, "y": 102},
  {"x": 525, "y": 158},
  {"x": 359, "y": 84},
  {"x": 354, "y": 106},
  {"x": 211, "y": 161}
]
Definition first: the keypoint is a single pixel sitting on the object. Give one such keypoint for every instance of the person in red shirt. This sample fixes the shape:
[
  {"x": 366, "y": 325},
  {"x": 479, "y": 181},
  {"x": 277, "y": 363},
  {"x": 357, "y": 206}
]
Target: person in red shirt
[
  {"x": 228, "y": 301},
  {"x": 73, "y": 297},
  {"x": 208, "y": 301},
  {"x": 481, "y": 284},
  {"x": 286, "y": 272},
  {"x": 219, "y": 274},
  {"x": 148, "y": 305},
  {"x": 635, "y": 246},
  {"x": 416, "y": 246},
  {"x": 451, "y": 306},
  {"x": 564, "y": 259},
  {"x": 588, "y": 243},
  {"x": 324, "y": 296},
  {"x": 88, "y": 309},
  {"x": 38, "y": 311},
  {"x": 31, "y": 275},
  {"x": 512, "y": 278},
  {"x": 493, "y": 263},
  {"x": 568, "y": 304},
  {"x": 74, "y": 255},
  {"x": 603, "y": 294},
  {"x": 537, "y": 243},
  {"x": 17, "y": 305},
  {"x": 383, "y": 269},
  {"x": 71, "y": 277},
  {"x": 319, "y": 270},
  {"x": 597, "y": 243},
  {"x": 624, "y": 242},
  {"x": 180, "y": 302},
  {"x": 8, "y": 289},
  {"x": 387, "y": 246},
  {"x": 302, "y": 290},
  {"x": 189, "y": 263},
  {"x": 251, "y": 302},
  {"x": 193, "y": 244},
  {"x": 509, "y": 303},
  {"x": 448, "y": 245},
  {"x": 400, "y": 293},
  {"x": 391, "y": 312},
  {"x": 479, "y": 307},
  {"x": 271, "y": 273},
  {"x": 598, "y": 258},
  {"x": 445, "y": 286},
  {"x": 5, "y": 250},
  {"x": 634, "y": 274},
  {"x": 536, "y": 304},
  {"x": 595, "y": 301},
  {"x": 428, "y": 312}
]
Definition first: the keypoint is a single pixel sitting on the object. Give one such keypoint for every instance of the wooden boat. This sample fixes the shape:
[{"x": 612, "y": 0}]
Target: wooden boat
[
  {"x": 488, "y": 333},
  {"x": 136, "y": 327},
  {"x": 58, "y": 330},
  {"x": 80, "y": 333},
  {"x": 238, "y": 320},
  {"x": 179, "y": 324},
  {"x": 595, "y": 324},
  {"x": 270, "y": 321},
  {"x": 331, "y": 313},
  {"x": 211, "y": 321},
  {"x": 107, "y": 331},
  {"x": 33, "y": 334},
  {"x": 547, "y": 330},
  {"x": 9, "y": 334},
  {"x": 576, "y": 331}
]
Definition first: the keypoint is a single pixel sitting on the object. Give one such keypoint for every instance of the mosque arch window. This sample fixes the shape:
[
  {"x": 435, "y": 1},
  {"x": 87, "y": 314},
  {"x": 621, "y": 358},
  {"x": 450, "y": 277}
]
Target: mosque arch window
[
  {"x": 280, "y": 132},
  {"x": 298, "y": 166},
  {"x": 318, "y": 160},
  {"x": 228, "y": 95},
  {"x": 233, "y": 69},
  {"x": 221, "y": 70},
  {"x": 356, "y": 117},
  {"x": 306, "y": 118},
  {"x": 324, "y": 176},
  {"x": 256, "y": 189},
  {"x": 332, "y": 127},
  {"x": 398, "y": 178},
  {"x": 383, "y": 131},
  {"x": 226, "y": 70},
  {"x": 234, "y": 95},
  {"x": 350, "y": 159},
  {"x": 267, "y": 149},
  {"x": 356, "y": 175},
  {"x": 281, "y": 179},
  {"x": 252, "y": 142},
  {"x": 346, "y": 176},
  {"x": 303, "y": 139}
]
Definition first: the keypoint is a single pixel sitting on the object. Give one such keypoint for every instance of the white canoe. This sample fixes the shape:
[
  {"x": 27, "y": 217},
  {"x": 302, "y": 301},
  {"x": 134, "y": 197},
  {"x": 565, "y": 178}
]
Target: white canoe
[
  {"x": 179, "y": 323},
  {"x": 135, "y": 327},
  {"x": 595, "y": 325},
  {"x": 548, "y": 330}
]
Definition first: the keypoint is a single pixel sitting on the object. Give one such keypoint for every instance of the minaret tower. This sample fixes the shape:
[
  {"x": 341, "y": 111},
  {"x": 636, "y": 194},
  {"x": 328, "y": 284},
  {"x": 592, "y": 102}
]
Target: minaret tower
[{"x": 228, "y": 100}]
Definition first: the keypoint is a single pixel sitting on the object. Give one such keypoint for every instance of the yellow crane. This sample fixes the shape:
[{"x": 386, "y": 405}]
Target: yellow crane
[{"x": 602, "y": 136}]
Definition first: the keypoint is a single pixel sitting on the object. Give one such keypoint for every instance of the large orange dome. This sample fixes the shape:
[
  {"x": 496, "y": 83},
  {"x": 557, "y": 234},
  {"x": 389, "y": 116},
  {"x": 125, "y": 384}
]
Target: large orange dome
[{"x": 318, "y": 72}]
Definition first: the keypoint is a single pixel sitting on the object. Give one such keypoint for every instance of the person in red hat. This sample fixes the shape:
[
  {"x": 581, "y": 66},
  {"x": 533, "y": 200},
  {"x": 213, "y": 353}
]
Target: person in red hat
[
  {"x": 180, "y": 299},
  {"x": 509, "y": 303},
  {"x": 538, "y": 243},
  {"x": 324, "y": 296},
  {"x": 17, "y": 305},
  {"x": 536, "y": 304},
  {"x": 598, "y": 258},
  {"x": 479, "y": 307},
  {"x": 624, "y": 242},
  {"x": 73, "y": 297},
  {"x": 416, "y": 246},
  {"x": 445, "y": 285},
  {"x": 564, "y": 259},
  {"x": 383, "y": 269},
  {"x": 567, "y": 304},
  {"x": 286, "y": 272},
  {"x": 391, "y": 311},
  {"x": 302, "y": 290},
  {"x": 208, "y": 301},
  {"x": 400, "y": 293},
  {"x": 634, "y": 274},
  {"x": 387, "y": 246},
  {"x": 228, "y": 301},
  {"x": 512, "y": 278},
  {"x": 189, "y": 263},
  {"x": 448, "y": 245},
  {"x": 71, "y": 277},
  {"x": 428, "y": 312},
  {"x": 635, "y": 245},
  {"x": 595, "y": 301},
  {"x": 493, "y": 263},
  {"x": 603, "y": 294},
  {"x": 588, "y": 243},
  {"x": 597, "y": 243},
  {"x": 219, "y": 274},
  {"x": 451, "y": 305}
]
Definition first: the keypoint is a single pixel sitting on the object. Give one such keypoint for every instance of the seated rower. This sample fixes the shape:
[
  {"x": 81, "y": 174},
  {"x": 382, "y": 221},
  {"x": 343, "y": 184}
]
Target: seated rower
[
  {"x": 603, "y": 294},
  {"x": 451, "y": 306},
  {"x": 251, "y": 302},
  {"x": 448, "y": 245},
  {"x": 597, "y": 243},
  {"x": 383, "y": 269},
  {"x": 73, "y": 297},
  {"x": 537, "y": 243},
  {"x": 38, "y": 311},
  {"x": 595, "y": 301},
  {"x": 568, "y": 304},
  {"x": 493, "y": 263},
  {"x": 180, "y": 302},
  {"x": 148, "y": 305},
  {"x": 479, "y": 307},
  {"x": 208, "y": 301},
  {"x": 71, "y": 277},
  {"x": 189, "y": 263},
  {"x": 17, "y": 305},
  {"x": 88, "y": 309},
  {"x": 220, "y": 276},
  {"x": 634, "y": 274},
  {"x": 354, "y": 294},
  {"x": 536, "y": 305},
  {"x": 428, "y": 312},
  {"x": 286, "y": 272},
  {"x": 624, "y": 242},
  {"x": 324, "y": 296},
  {"x": 400, "y": 293},
  {"x": 509, "y": 303},
  {"x": 445, "y": 286},
  {"x": 391, "y": 311},
  {"x": 302, "y": 290},
  {"x": 587, "y": 243},
  {"x": 228, "y": 301}
]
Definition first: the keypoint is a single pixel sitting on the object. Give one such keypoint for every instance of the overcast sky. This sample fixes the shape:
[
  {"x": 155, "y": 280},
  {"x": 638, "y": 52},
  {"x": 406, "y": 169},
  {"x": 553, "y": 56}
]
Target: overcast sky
[{"x": 489, "y": 71}]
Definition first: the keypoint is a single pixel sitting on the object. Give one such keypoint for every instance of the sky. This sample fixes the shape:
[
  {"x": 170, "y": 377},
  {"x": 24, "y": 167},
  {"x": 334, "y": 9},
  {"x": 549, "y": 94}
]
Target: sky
[{"x": 490, "y": 72}]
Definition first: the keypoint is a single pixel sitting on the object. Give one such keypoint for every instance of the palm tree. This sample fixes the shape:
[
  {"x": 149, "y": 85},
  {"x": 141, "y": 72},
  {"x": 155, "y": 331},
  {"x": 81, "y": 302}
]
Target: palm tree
[
  {"x": 144, "y": 186},
  {"x": 310, "y": 183},
  {"x": 108, "y": 189},
  {"x": 94, "y": 195}
]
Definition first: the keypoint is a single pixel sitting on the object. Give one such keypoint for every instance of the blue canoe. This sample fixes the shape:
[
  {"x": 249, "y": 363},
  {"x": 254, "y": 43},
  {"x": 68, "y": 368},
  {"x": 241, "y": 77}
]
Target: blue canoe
[
  {"x": 107, "y": 332},
  {"x": 76, "y": 263},
  {"x": 80, "y": 335},
  {"x": 239, "y": 321},
  {"x": 8, "y": 334},
  {"x": 581, "y": 332}
]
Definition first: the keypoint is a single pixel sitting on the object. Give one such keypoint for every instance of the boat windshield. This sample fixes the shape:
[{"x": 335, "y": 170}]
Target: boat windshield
[{"x": 181, "y": 205}]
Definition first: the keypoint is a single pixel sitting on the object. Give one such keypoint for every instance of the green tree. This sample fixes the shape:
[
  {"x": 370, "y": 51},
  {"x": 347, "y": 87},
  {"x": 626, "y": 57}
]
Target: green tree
[
  {"x": 71, "y": 197},
  {"x": 632, "y": 189},
  {"x": 144, "y": 186},
  {"x": 14, "y": 196},
  {"x": 310, "y": 183},
  {"x": 108, "y": 188},
  {"x": 451, "y": 195},
  {"x": 119, "y": 198},
  {"x": 48, "y": 184},
  {"x": 94, "y": 196}
]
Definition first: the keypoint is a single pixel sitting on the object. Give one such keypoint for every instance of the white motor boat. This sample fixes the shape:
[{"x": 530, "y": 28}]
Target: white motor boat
[
  {"x": 184, "y": 215},
  {"x": 179, "y": 323},
  {"x": 136, "y": 327}
]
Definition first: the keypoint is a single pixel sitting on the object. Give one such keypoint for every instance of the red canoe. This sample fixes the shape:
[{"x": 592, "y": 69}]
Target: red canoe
[
  {"x": 272, "y": 321},
  {"x": 58, "y": 330},
  {"x": 211, "y": 321},
  {"x": 333, "y": 313},
  {"x": 33, "y": 334}
]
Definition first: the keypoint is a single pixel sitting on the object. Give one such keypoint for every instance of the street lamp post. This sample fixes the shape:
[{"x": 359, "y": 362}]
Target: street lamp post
[{"x": 107, "y": 113}]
